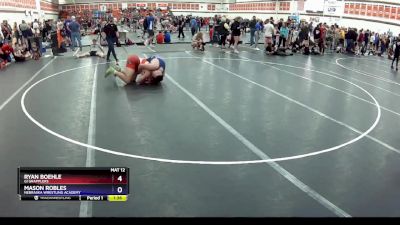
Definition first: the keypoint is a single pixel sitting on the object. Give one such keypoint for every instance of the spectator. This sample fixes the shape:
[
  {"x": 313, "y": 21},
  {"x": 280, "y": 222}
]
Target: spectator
[
  {"x": 366, "y": 38},
  {"x": 6, "y": 52},
  {"x": 396, "y": 53},
  {"x": 257, "y": 34},
  {"x": 284, "y": 33},
  {"x": 26, "y": 33},
  {"x": 269, "y": 32},
  {"x": 167, "y": 37},
  {"x": 252, "y": 26},
  {"x": 198, "y": 41},
  {"x": 1, "y": 37},
  {"x": 322, "y": 38},
  {"x": 193, "y": 26},
  {"x": 223, "y": 32},
  {"x": 181, "y": 25},
  {"x": 21, "y": 52},
  {"x": 316, "y": 34},
  {"x": 360, "y": 39},
  {"x": 37, "y": 35},
  {"x": 150, "y": 29},
  {"x": 235, "y": 28},
  {"x": 330, "y": 34},
  {"x": 304, "y": 32},
  {"x": 111, "y": 31},
  {"x": 6, "y": 31},
  {"x": 16, "y": 32},
  {"x": 75, "y": 29},
  {"x": 160, "y": 38}
]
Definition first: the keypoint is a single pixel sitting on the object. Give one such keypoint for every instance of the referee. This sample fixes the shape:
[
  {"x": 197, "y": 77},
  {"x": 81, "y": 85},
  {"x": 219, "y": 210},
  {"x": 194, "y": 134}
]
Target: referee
[{"x": 111, "y": 31}]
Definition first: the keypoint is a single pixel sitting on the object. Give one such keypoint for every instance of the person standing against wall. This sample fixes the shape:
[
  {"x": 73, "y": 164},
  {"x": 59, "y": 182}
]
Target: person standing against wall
[
  {"x": 7, "y": 31},
  {"x": 322, "y": 38},
  {"x": 181, "y": 25},
  {"x": 367, "y": 35},
  {"x": 269, "y": 33},
  {"x": 150, "y": 29},
  {"x": 396, "y": 52},
  {"x": 304, "y": 32},
  {"x": 257, "y": 34},
  {"x": 252, "y": 26},
  {"x": 316, "y": 34},
  {"x": 193, "y": 26},
  {"x": 75, "y": 29},
  {"x": 67, "y": 34},
  {"x": 223, "y": 32},
  {"x": 235, "y": 34},
  {"x": 284, "y": 33},
  {"x": 111, "y": 31}
]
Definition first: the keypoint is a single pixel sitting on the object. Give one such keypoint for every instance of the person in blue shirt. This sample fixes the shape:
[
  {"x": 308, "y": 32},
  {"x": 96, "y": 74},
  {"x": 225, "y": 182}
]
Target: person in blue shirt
[
  {"x": 167, "y": 37},
  {"x": 66, "y": 25},
  {"x": 376, "y": 41},
  {"x": 150, "y": 29},
  {"x": 75, "y": 29},
  {"x": 193, "y": 26},
  {"x": 198, "y": 24},
  {"x": 284, "y": 33},
  {"x": 257, "y": 34}
]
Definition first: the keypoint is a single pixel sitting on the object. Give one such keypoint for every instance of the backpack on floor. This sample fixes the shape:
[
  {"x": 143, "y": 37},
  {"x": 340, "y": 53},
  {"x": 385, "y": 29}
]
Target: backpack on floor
[
  {"x": 306, "y": 50},
  {"x": 129, "y": 42},
  {"x": 363, "y": 50},
  {"x": 283, "y": 52}
]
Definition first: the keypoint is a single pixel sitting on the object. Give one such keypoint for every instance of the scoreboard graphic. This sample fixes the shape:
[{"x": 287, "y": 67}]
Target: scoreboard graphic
[{"x": 72, "y": 183}]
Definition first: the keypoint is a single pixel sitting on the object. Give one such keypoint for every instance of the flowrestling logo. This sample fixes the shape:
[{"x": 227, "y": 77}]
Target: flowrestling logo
[
  {"x": 331, "y": 9},
  {"x": 334, "y": 7}
]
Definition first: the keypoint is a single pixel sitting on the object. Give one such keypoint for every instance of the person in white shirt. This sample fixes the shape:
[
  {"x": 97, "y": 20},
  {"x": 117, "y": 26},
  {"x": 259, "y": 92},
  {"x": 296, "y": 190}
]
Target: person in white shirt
[
  {"x": 1, "y": 36},
  {"x": 95, "y": 50},
  {"x": 269, "y": 33}
]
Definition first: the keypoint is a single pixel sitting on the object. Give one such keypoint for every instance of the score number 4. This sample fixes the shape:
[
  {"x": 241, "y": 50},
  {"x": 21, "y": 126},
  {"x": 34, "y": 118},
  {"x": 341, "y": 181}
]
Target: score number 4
[{"x": 119, "y": 189}]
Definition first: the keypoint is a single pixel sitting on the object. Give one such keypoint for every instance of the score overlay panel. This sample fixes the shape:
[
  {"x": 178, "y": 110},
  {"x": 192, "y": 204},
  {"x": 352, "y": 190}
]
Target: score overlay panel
[{"x": 73, "y": 183}]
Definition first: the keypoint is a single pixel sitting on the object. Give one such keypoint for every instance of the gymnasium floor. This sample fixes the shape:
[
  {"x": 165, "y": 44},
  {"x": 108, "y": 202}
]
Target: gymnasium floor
[{"x": 203, "y": 129}]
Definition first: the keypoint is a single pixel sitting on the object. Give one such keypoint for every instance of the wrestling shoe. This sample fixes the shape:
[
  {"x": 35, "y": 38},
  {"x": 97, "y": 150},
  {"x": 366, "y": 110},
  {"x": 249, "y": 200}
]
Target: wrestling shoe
[
  {"x": 110, "y": 71},
  {"x": 117, "y": 68}
]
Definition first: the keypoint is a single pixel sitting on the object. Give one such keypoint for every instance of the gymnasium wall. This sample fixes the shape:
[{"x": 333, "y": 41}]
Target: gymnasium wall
[
  {"x": 377, "y": 15},
  {"x": 28, "y": 10}
]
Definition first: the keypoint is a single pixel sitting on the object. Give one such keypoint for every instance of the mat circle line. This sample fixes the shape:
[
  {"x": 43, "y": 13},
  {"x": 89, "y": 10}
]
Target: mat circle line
[{"x": 196, "y": 162}]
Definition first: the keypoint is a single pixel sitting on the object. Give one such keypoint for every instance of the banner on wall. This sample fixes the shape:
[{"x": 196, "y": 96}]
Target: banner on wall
[
  {"x": 300, "y": 5},
  {"x": 334, "y": 7},
  {"x": 141, "y": 5},
  {"x": 103, "y": 8},
  {"x": 203, "y": 7},
  {"x": 162, "y": 5},
  {"x": 314, "y": 6},
  {"x": 124, "y": 5}
]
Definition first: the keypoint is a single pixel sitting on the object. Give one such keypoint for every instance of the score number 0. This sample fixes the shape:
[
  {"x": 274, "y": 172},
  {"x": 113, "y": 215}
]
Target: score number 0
[{"x": 119, "y": 189}]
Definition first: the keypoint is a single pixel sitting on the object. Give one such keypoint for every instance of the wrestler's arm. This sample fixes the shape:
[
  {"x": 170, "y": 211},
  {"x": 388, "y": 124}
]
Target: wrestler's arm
[
  {"x": 155, "y": 64},
  {"x": 141, "y": 78}
]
